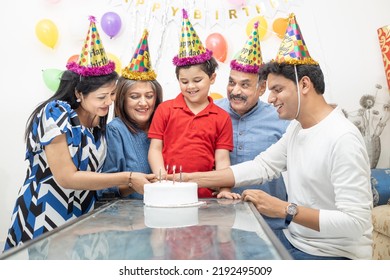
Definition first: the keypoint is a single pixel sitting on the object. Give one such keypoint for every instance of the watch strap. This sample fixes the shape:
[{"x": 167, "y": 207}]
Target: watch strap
[
  {"x": 288, "y": 219},
  {"x": 289, "y": 215}
]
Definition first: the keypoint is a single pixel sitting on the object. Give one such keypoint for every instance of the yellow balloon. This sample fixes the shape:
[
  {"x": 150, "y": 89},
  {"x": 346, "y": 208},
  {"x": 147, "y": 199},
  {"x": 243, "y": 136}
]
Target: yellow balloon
[
  {"x": 215, "y": 95},
  {"x": 279, "y": 26},
  {"x": 47, "y": 32},
  {"x": 118, "y": 64},
  {"x": 262, "y": 28}
]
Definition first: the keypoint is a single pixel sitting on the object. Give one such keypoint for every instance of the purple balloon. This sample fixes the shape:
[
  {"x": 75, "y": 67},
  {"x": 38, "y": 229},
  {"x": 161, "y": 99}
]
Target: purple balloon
[{"x": 111, "y": 23}]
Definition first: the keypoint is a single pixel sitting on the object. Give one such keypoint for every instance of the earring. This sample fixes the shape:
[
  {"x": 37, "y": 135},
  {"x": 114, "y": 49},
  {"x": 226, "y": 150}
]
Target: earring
[{"x": 78, "y": 100}]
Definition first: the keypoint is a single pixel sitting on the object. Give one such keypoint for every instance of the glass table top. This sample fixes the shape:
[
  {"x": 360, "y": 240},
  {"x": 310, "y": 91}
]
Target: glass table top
[{"x": 126, "y": 229}]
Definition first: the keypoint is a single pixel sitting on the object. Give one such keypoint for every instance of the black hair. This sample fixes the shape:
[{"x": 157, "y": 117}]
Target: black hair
[
  {"x": 69, "y": 83},
  {"x": 314, "y": 72},
  {"x": 209, "y": 67}
]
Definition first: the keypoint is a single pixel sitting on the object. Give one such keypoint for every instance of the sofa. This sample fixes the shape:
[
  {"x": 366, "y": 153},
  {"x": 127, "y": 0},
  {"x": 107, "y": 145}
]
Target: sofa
[{"x": 380, "y": 183}]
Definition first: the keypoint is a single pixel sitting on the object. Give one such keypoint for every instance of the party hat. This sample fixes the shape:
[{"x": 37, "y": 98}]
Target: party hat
[
  {"x": 293, "y": 49},
  {"x": 140, "y": 67},
  {"x": 191, "y": 49},
  {"x": 93, "y": 60},
  {"x": 249, "y": 59}
]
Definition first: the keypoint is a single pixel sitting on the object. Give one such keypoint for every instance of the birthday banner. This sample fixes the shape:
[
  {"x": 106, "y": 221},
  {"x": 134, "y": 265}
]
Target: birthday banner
[{"x": 205, "y": 12}]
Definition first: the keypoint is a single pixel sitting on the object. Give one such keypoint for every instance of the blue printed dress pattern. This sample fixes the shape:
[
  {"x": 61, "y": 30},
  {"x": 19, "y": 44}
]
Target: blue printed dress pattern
[{"x": 42, "y": 204}]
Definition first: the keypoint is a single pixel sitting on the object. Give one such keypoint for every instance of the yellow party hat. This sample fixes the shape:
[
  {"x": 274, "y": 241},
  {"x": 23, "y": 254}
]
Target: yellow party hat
[
  {"x": 191, "y": 49},
  {"x": 140, "y": 67},
  {"x": 93, "y": 60},
  {"x": 249, "y": 59},
  {"x": 293, "y": 49}
]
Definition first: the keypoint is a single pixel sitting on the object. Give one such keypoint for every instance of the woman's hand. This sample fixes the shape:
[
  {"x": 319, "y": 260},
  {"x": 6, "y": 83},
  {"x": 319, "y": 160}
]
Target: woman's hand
[{"x": 137, "y": 180}]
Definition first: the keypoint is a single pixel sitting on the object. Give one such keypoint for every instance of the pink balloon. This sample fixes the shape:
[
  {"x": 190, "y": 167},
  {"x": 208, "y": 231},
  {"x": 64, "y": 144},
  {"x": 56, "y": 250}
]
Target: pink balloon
[{"x": 111, "y": 23}]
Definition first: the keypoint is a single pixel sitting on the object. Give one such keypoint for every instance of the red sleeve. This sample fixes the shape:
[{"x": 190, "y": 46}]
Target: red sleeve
[
  {"x": 225, "y": 138},
  {"x": 157, "y": 126}
]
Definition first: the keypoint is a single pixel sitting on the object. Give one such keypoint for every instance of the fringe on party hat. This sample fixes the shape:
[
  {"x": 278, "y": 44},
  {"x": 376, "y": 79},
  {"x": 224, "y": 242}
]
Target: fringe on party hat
[
  {"x": 191, "y": 49},
  {"x": 93, "y": 60},
  {"x": 249, "y": 59},
  {"x": 140, "y": 67},
  {"x": 293, "y": 49}
]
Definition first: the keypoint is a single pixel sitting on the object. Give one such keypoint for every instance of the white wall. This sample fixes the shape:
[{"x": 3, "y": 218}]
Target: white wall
[{"x": 341, "y": 35}]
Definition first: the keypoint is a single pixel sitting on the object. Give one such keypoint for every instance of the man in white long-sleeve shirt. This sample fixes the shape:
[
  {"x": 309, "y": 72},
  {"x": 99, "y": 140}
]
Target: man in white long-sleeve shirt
[{"x": 328, "y": 213}]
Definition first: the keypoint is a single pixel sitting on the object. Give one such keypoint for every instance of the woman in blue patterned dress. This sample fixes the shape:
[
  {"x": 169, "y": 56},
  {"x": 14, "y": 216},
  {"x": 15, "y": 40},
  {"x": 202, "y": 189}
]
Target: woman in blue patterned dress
[{"x": 66, "y": 148}]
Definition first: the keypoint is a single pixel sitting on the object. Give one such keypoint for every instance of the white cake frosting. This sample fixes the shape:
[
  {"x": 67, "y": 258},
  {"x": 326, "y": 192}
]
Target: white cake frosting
[
  {"x": 168, "y": 217},
  {"x": 169, "y": 194}
]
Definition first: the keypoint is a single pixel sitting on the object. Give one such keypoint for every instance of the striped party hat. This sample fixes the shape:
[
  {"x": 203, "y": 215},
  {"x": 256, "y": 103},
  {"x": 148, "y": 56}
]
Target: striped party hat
[
  {"x": 191, "y": 49},
  {"x": 140, "y": 66},
  {"x": 93, "y": 60},
  {"x": 249, "y": 59},
  {"x": 293, "y": 49}
]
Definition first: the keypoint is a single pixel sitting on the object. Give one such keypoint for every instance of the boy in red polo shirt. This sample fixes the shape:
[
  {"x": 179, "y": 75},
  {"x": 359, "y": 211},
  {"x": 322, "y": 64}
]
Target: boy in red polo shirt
[{"x": 191, "y": 131}]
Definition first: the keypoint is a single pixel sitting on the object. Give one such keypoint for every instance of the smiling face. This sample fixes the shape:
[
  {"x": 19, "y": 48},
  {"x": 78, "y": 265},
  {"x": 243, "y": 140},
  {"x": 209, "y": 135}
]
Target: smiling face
[
  {"x": 244, "y": 90},
  {"x": 195, "y": 84},
  {"x": 140, "y": 102},
  {"x": 283, "y": 95},
  {"x": 95, "y": 104}
]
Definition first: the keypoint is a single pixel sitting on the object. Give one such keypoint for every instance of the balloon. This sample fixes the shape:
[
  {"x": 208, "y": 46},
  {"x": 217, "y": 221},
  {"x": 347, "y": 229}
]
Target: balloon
[
  {"x": 215, "y": 95},
  {"x": 279, "y": 26},
  {"x": 111, "y": 23},
  {"x": 262, "y": 28},
  {"x": 73, "y": 58},
  {"x": 216, "y": 42},
  {"x": 238, "y": 2},
  {"x": 52, "y": 78},
  {"x": 47, "y": 32},
  {"x": 118, "y": 64}
]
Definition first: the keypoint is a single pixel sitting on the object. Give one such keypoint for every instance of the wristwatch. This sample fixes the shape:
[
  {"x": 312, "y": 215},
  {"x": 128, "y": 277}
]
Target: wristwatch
[{"x": 291, "y": 211}]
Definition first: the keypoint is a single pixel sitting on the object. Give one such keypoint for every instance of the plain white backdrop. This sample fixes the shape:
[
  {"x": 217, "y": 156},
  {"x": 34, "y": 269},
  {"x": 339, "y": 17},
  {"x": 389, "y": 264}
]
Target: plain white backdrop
[{"x": 341, "y": 35}]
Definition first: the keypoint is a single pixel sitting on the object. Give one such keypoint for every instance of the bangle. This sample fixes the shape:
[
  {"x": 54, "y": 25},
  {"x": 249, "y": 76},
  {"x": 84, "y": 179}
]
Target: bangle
[{"x": 130, "y": 184}]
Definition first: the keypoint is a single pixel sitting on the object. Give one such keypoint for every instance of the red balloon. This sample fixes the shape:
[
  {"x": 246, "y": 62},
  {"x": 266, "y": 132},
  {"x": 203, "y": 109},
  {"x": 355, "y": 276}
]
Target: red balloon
[
  {"x": 216, "y": 43},
  {"x": 74, "y": 58}
]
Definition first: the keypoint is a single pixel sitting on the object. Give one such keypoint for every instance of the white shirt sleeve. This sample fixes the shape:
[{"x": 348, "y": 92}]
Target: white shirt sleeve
[{"x": 267, "y": 166}]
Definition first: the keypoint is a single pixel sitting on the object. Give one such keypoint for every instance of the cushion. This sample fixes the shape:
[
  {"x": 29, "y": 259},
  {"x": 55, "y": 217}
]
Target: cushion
[
  {"x": 380, "y": 183},
  {"x": 381, "y": 246},
  {"x": 381, "y": 219}
]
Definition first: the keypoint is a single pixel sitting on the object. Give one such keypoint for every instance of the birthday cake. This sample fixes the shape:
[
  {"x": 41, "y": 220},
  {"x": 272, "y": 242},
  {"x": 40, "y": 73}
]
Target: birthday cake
[
  {"x": 170, "y": 194},
  {"x": 170, "y": 217}
]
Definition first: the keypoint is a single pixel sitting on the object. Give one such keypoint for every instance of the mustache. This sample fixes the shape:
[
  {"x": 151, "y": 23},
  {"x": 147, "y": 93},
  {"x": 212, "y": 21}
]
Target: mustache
[{"x": 238, "y": 97}]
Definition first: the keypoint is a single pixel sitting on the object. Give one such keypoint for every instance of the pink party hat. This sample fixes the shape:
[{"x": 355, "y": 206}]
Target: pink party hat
[
  {"x": 191, "y": 49},
  {"x": 93, "y": 60},
  {"x": 293, "y": 49},
  {"x": 249, "y": 59},
  {"x": 140, "y": 67}
]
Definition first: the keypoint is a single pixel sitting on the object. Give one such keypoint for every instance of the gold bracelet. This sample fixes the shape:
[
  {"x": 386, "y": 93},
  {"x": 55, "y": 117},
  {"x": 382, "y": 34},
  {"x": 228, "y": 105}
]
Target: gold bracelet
[{"x": 130, "y": 184}]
